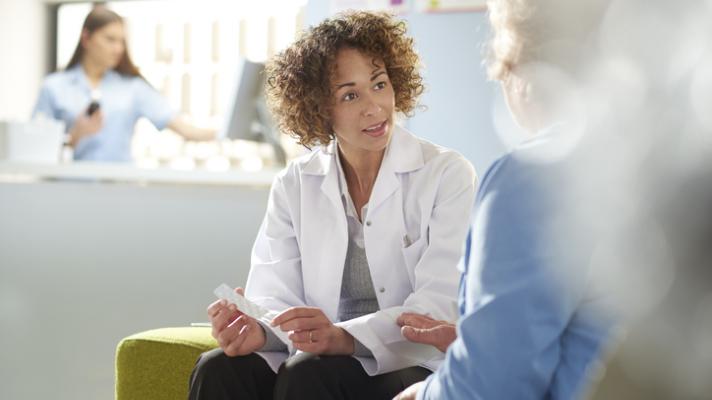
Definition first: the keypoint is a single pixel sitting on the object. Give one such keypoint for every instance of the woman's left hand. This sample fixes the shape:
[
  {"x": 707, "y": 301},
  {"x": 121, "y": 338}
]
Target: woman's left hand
[
  {"x": 411, "y": 392},
  {"x": 311, "y": 331}
]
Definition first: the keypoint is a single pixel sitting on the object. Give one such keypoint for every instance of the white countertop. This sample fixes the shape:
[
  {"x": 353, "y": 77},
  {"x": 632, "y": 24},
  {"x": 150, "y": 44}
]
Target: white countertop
[{"x": 11, "y": 171}]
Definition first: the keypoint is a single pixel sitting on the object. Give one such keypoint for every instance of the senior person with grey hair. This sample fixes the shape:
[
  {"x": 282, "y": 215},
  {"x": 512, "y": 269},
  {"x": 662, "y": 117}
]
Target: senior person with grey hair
[{"x": 533, "y": 322}]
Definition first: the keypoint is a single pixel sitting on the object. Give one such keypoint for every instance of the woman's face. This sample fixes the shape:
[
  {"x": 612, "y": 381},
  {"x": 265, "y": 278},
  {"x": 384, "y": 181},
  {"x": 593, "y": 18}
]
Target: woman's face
[
  {"x": 105, "y": 46},
  {"x": 363, "y": 103}
]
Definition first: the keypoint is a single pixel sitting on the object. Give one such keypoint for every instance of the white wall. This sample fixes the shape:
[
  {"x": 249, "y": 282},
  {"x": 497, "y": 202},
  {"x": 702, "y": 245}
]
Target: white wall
[
  {"x": 22, "y": 56},
  {"x": 85, "y": 264},
  {"x": 460, "y": 100}
]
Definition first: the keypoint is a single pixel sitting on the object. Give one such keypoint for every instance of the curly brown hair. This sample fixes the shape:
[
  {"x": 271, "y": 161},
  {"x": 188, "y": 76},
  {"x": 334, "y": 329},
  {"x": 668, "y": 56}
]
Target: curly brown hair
[{"x": 298, "y": 80}]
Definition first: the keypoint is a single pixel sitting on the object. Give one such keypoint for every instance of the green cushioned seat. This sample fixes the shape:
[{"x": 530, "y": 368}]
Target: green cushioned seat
[{"x": 156, "y": 364}]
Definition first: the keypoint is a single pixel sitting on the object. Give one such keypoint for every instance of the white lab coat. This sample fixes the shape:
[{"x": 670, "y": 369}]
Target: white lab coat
[{"x": 414, "y": 231}]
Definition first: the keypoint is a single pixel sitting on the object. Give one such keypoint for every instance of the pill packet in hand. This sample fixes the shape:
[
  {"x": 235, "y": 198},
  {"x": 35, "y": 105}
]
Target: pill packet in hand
[{"x": 243, "y": 304}]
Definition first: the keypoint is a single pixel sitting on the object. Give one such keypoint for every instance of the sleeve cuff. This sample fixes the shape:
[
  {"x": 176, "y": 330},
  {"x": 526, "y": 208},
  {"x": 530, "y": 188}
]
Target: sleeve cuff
[
  {"x": 164, "y": 120},
  {"x": 360, "y": 350},
  {"x": 429, "y": 389},
  {"x": 272, "y": 342}
]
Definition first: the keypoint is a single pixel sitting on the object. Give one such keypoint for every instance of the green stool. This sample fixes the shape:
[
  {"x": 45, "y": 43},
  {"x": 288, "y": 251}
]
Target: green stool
[{"x": 156, "y": 364}]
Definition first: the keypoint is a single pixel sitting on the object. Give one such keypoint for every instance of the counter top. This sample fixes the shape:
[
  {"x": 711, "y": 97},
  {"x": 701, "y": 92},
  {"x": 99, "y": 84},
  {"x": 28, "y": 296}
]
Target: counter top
[{"x": 126, "y": 173}]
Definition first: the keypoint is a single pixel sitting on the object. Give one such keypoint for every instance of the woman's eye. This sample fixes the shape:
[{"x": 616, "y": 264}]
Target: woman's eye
[
  {"x": 380, "y": 85},
  {"x": 349, "y": 97}
]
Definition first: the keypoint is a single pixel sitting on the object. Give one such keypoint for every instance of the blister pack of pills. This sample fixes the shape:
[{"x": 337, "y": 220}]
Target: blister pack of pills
[{"x": 243, "y": 304}]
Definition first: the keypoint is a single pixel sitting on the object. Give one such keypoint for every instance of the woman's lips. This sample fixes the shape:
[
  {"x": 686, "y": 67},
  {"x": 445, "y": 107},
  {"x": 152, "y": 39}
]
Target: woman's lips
[{"x": 377, "y": 130}]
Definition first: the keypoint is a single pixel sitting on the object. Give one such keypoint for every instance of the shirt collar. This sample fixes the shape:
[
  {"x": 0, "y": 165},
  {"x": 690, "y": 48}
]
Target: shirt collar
[
  {"x": 342, "y": 176},
  {"x": 78, "y": 76},
  {"x": 344, "y": 189},
  {"x": 403, "y": 154}
]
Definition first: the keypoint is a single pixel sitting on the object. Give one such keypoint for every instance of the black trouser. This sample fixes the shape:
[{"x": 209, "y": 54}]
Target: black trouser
[{"x": 306, "y": 376}]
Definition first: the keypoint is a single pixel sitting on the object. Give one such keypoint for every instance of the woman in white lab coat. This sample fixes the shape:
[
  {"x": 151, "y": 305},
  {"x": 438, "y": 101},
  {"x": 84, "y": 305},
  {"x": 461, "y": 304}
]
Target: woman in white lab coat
[{"x": 364, "y": 228}]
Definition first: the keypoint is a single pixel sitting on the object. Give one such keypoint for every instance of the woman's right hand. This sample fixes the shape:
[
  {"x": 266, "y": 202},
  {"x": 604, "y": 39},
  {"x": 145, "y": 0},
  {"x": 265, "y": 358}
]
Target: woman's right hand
[
  {"x": 420, "y": 328},
  {"x": 85, "y": 125},
  {"x": 237, "y": 334}
]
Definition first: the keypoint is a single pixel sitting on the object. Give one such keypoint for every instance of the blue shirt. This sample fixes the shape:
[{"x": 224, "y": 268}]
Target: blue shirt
[
  {"x": 124, "y": 99},
  {"x": 531, "y": 326}
]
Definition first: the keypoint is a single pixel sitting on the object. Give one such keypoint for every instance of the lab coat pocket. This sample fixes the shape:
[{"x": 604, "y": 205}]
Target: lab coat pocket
[{"x": 412, "y": 255}]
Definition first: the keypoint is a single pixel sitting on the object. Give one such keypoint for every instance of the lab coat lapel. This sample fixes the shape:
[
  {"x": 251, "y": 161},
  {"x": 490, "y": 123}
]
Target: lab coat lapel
[
  {"x": 323, "y": 165},
  {"x": 333, "y": 256},
  {"x": 328, "y": 259},
  {"x": 402, "y": 155},
  {"x": 386, "y": 184},
  {"x": 330, "y": 185}
]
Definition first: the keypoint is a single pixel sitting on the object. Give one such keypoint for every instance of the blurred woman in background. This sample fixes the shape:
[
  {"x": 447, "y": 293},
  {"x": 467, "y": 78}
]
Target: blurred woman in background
[{"x": 101, "y": 94}]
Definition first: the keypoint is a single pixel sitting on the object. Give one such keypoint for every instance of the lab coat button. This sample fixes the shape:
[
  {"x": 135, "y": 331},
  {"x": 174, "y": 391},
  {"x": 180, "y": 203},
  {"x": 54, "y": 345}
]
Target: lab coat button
[
  {"x": 381, "y": 289},
  {"x": 368, "y": 223}
]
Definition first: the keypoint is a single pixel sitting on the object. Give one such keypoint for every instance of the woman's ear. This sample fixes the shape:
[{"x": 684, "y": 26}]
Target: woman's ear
[
  {"x": 518, "y": 86},
  {"x": 518, "y": 96},
  {"x": 84, "y": 38},
  {"x": 516, "y": 89}
]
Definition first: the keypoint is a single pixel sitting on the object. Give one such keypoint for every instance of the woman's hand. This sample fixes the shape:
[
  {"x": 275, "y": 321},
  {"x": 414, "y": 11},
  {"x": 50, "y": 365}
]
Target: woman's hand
[
  {"x": 237, "y": 334},
  {"x": 311, "y": 331},
  {"x": 85, "y": 125},
  {"x": 411, "y": 392},
  {"x": 420, "y": 328}
]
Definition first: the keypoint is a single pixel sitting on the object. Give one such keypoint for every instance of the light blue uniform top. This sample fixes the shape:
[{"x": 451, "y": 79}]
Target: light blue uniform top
[
  {"x": 124, "y": 99},
  {"x": 530, "y": 325}
]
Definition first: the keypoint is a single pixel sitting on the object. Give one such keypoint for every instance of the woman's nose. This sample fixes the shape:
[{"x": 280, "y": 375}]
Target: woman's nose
[{"x": 371, "y": 108}]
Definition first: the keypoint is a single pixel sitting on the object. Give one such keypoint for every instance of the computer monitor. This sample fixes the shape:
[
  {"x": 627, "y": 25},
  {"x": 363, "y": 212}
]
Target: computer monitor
[{"x": 247, "y": 115}]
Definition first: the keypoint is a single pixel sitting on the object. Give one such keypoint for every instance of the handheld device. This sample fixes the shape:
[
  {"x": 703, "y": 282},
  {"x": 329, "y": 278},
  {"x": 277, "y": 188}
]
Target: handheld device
[{"x": 93, "y": 107}]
